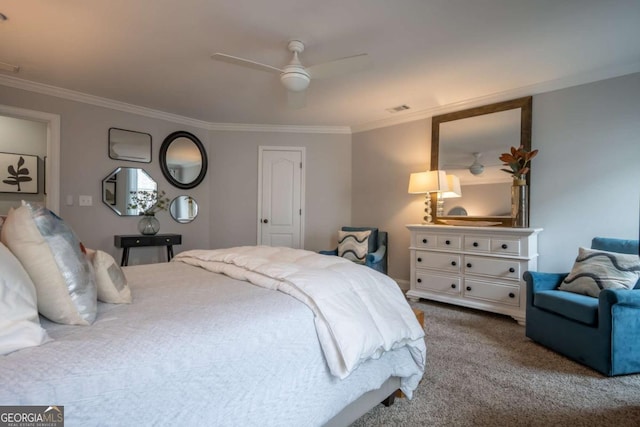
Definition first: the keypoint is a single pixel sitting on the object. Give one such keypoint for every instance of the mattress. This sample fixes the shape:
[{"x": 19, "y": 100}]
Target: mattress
[{"x": 194, "y": 348}]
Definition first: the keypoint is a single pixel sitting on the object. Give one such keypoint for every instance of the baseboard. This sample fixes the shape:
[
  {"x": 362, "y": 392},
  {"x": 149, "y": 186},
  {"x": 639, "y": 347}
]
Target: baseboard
[{"x": 404, "y": 284}]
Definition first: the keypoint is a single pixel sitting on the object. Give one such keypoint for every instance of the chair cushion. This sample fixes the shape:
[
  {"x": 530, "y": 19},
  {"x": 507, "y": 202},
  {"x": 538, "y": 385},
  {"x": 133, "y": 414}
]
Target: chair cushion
[
  {"x": 595, "y": 270},
  {"x": 353, "y": 245},
  {"x": 373, "y": 238},
  {"x": 577, "y": 307}
]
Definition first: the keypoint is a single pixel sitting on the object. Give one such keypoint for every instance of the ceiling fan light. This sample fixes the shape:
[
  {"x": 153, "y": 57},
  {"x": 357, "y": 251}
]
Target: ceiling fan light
[
  {"x": 476, "y": 169},
  {"x": 295, "y": 81}
]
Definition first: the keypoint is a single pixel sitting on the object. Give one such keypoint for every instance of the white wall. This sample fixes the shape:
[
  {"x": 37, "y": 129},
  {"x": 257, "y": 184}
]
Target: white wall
[
  {"x": 227, "y": 198},
  {"x": 585, "y": 181}
]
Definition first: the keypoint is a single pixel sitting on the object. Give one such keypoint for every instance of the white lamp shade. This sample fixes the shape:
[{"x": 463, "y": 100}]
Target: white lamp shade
[
  {"x": 454, "y": 188},
  {"x": 428, "y": 182}
]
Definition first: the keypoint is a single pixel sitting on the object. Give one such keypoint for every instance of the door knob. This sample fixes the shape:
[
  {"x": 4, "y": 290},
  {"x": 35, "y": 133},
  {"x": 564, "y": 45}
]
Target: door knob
[{"x": 266, "y": 221}]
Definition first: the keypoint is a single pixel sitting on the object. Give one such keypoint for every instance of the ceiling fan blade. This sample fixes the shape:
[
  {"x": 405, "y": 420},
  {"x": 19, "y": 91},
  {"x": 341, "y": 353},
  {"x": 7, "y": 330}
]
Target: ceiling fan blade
[
  {"x": 346, "y": 65},
  {"x": 296, "y": 99},
  {"x": 245, "y": 62}
]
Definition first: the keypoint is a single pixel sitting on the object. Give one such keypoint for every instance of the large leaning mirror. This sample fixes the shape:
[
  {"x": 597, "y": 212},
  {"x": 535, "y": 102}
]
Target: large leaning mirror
[
  {"x": 468, "y": 144},
  {"x": 183, "y": 160},
  {"x": 184, "y": 209},
  {"x": 121, "y": 185},
  {"x": 129, "y": 145}
]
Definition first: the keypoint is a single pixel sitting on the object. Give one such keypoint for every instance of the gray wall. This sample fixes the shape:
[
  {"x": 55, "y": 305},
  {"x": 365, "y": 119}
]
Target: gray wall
[
  {"x": 227, "y": 198},
  {"x": 585, "y": 181}
]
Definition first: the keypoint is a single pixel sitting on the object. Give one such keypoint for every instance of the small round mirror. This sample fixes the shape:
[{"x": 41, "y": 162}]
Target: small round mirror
[
  {"x": 183, "y": 160},
  {"x": 184, "y": 209}
]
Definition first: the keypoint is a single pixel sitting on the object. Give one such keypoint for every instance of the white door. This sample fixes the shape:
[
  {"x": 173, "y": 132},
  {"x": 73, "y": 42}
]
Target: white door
[{"x": 281, "y": 196}]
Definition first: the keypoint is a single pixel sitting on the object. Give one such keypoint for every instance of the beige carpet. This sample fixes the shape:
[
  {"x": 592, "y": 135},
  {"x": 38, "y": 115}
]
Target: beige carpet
[{"x": 483, "y": 371}]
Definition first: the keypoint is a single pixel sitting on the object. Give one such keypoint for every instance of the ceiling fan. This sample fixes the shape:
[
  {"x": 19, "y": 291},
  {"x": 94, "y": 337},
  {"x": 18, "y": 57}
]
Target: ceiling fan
[
  {"x": 475, "y": 168},
  {"x": 295, "y": 77}
]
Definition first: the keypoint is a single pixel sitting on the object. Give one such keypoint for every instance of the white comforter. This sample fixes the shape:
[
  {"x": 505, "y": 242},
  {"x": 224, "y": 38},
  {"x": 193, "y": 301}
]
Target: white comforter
[{"x": 359, "y": 313}]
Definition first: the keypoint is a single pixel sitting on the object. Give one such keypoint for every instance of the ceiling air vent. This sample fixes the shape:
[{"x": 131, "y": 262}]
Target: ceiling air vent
[{"x": 398, "y": 108}]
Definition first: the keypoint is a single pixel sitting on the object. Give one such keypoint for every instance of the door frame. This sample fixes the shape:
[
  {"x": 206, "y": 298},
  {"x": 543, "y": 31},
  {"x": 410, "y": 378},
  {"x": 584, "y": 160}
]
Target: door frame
[
  {"x": 52, "y": 178},
  {"x": 302, "y": 150}
]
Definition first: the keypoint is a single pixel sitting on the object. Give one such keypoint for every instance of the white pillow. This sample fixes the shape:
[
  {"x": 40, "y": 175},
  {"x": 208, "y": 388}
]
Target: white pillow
[
  {"x": 19, "y": 322},
  {"x": 54, "y": 258},
  {"x": 354, "y": 245},
  {"x": 595, "y": 270},
  {"x": 111, "y": 281}
]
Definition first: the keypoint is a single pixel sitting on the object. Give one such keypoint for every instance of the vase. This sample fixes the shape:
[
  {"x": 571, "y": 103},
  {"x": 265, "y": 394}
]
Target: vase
[
  {"x": 520, "y": 203},
  {"x": 148, "y": 225}
]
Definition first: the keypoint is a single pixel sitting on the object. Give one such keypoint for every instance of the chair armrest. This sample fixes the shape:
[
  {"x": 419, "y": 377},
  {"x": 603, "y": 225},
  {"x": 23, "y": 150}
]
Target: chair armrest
[
  {"x": 609, "y": 297},
  {"x": 376, "y": 257},
  {"x": 333, "y": 252},
  {"x": 537, "y": 281}
]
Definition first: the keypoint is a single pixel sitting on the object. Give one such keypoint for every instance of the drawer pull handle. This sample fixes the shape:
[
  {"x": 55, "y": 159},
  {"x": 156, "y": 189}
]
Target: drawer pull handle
[
  {"x": 468, "y": 265},
  {"x": 512, "y": 295},
  {"x": 512, "y": 270},
  {"x": 168, "y": 240},
  {"x": 475, "y": 244},
  {"x": 419, "y": 280},
  {"x": 424, "y": 241},
  {"x": 137, "y": 241},
  {"x": 453, "y": 286},
  {"x": 504, "y": 246},
  {"x": 454, "y": 263},
  {"x": 447, "y": 242},
  {"x": 419, "y": 259},
  {"x": 468, "y": 288}
]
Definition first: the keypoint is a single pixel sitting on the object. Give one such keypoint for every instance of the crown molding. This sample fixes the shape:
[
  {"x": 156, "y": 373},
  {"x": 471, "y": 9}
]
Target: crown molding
[
  {"x": 528, "y": 90},
  {"x": 533, "y": 89},
  {"x": 72, "y": 95}
]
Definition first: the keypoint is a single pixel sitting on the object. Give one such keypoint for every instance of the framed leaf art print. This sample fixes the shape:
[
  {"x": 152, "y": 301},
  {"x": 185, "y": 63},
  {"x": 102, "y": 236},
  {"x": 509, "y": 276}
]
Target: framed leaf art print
[{"x": 18, "y": 173}]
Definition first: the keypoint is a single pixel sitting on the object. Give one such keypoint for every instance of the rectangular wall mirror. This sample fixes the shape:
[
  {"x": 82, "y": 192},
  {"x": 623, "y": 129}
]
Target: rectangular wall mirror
[
  {"x": 129, "y": 145},
  {"x": 468, "y": 144}
]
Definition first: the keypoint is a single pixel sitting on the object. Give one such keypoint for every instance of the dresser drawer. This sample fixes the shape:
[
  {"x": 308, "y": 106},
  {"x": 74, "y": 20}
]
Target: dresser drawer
[
  {"x": 449, "y": 242},
  {"x": 505, "y": 246},
  {"x": 434, "y": 282},
  {"x": 494, "y": 267},
  {"x": 494, "y": 292},
  {"x": 438, "y": 261},
  {"x": 477, "y": 243},
  {"x": 426, "y": 241}
]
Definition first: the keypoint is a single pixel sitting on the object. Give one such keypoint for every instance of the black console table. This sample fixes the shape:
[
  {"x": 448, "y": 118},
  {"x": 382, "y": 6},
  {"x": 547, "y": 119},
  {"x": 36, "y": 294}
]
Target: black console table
[{"x": 136, "y": 240}]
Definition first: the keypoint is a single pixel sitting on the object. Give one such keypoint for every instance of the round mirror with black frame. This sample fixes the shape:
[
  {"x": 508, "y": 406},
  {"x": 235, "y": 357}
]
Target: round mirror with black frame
[
  {"x": 183, "y": 160},
  {"x": 184, "y": 209}
]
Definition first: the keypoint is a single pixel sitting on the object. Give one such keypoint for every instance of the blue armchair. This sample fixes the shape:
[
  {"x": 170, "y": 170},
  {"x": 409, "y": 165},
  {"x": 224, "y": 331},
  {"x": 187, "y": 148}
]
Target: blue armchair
[
  {"x": 377, "y": 253},
  {"x": 602, "y": 333}
]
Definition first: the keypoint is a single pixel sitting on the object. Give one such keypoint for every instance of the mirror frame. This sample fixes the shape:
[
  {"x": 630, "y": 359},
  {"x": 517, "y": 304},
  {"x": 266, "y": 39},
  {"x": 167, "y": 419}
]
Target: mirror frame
[
  {"x": 165, "y": 168},
  {"x": 109, "y": 180},
  {"x": 525, "y": 140},
  {"x": 145, "y": 142}
]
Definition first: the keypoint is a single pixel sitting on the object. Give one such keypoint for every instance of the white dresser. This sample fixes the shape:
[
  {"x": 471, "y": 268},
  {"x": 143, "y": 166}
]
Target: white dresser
[{"x": 477, "y": 267}]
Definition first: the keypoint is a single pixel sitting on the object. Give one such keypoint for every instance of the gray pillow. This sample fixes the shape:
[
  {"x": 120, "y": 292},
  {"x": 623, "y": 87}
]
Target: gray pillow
[{"x": 596, "y": 270}]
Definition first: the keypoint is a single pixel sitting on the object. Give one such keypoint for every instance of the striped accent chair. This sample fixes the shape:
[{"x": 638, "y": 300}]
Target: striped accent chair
[{"x": 351, "y": 246}]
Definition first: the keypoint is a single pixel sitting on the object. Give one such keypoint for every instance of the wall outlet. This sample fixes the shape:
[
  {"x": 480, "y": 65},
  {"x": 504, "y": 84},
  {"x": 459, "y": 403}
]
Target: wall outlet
[{"x": 85, "y": 200}]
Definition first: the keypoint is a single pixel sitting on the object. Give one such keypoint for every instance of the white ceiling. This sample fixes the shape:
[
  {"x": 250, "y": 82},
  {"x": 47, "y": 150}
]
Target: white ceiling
[{"x": 425, "y": 53}]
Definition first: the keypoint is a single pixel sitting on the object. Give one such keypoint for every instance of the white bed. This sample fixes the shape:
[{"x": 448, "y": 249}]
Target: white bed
[{"x": 197, "y": 348}]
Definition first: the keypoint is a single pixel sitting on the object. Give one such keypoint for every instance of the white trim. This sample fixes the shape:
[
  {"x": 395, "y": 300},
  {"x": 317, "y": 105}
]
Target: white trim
[
  {"x": 303, "y": 155},
  {"x": 53, "y": 149},
  {"x": 156, "y": 114},
  {"x": 532, "y": 89},
  {"x": 528, "y": 90}
]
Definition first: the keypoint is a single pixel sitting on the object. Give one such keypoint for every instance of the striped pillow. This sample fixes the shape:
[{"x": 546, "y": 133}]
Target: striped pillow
[
  {"x": 596, "y": 270},
  {"x": 353, "y": 245}
]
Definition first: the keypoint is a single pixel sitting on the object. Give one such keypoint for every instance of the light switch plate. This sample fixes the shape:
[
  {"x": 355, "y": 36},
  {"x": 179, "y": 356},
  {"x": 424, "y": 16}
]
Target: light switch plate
[{"x": 85, "y": 200}]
